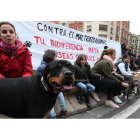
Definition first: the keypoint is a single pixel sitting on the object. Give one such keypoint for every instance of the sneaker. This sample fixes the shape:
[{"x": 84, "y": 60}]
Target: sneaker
[
  {"x": 111, "y": 104},
  {"x": 63, "y": 114},
  {"x": 120, "y": 96},
  {"x": 117, "y": 100},
  {"x": 132, "y": 93}
]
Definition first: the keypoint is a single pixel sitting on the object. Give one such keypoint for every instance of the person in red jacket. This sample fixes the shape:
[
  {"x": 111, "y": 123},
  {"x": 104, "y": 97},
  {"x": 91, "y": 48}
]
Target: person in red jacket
[{"x": 15, "y": 58}]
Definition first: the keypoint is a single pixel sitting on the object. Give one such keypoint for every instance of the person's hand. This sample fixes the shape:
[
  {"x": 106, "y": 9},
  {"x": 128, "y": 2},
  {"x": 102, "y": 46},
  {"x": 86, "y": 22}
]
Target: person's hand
[
  {"x": 101, "y": 78},
  {"x": 134, "y": 73},
  {"x": 122, "y": 77},
  {"x": 125, "y": 84},
  {"x": 136, "y": 76},
  {"x": 114, "y": 72}
]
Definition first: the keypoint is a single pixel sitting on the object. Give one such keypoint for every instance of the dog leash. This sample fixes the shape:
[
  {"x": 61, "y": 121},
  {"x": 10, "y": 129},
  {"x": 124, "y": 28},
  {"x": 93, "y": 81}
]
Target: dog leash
[{"x": 45, "y": 85}]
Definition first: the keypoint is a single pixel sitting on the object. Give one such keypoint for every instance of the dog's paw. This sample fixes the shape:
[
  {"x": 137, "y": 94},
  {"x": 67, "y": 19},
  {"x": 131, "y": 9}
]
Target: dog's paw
[{"x": 28, "y": 44}]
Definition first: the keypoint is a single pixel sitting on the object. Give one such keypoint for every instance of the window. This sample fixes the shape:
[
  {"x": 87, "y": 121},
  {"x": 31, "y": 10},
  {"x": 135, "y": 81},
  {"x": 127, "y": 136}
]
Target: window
[
  {"x": 117, "y": 32},
  {"x": 111, "y": 22},
  {"x": 89, "y": 21},
  {"x": 110, "y": 38},
  {"x": 80, "y": 21},
  {"x": 89, "y": 28},
  {"x": 123, "y": 26},
  {"x": 103, "y": 27},
  {"x": 71, "y": 22},
  {"x": 63, "y": 24},
  {"x": 80, "y": 28},
  {"x": 122, "y": 35},
  {"x": 111, "y": 30},
  {"x": 117, "y": 23},
  {"x": 103, "y": 36},
  {"x": 72, "y": 27}
]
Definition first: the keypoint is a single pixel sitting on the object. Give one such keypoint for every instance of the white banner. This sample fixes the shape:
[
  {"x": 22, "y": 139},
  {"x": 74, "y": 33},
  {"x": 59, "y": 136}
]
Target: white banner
[{"x": 67, "y": 42}]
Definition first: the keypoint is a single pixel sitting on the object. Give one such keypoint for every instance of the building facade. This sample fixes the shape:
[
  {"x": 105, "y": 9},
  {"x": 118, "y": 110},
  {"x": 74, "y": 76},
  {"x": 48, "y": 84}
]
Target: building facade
[
  {"x": 113, "y": 30},
  {"x": 134, "y": 42},
  {"x": 104, "y": 29},
  {"x": 56, "y": 22},
  {"x": 63, "y": 23},
  {"x": 122, "y": 31},
  {"x": 76, "y": 25}
]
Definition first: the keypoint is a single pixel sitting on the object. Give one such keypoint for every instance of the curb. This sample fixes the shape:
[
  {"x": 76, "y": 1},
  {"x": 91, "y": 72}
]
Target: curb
[{"x": 72, "y": 105}]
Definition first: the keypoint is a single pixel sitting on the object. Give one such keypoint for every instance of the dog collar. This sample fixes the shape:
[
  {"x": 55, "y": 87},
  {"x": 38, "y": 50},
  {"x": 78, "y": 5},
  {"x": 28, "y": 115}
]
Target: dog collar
[{"x": 44, "y": 84}]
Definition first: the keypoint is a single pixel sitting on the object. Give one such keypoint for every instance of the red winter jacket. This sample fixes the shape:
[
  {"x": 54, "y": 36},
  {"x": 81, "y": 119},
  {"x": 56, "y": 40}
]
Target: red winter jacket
[{"x": 16, "y": 63}]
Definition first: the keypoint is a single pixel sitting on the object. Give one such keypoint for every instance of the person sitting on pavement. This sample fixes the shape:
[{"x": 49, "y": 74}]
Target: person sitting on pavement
[
  {"x": 15, "y": 58},
  {"x": 49, "y": 56},
  {"x": 104, "y": 67},
  {"x": 82, "y": 74},
  {"x": 130, "y": 77}
]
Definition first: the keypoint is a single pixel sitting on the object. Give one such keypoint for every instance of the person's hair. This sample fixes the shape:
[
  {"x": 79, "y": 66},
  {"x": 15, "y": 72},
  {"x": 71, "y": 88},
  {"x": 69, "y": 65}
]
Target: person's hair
[
  {"x": 106, "y": 52},
  {"x": 123, "y": 45},
  {"x": 79, "y": 58},
  {"x": 3, "y": 23},
  {"x": 49, "y": 56},
  {"x": 125, "y": 56}
]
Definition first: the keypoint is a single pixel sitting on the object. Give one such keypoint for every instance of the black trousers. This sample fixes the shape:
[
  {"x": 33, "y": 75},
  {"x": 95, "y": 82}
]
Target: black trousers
[
  {"x": 118, "y": 89},
  {"x": 104, "y": 84}
]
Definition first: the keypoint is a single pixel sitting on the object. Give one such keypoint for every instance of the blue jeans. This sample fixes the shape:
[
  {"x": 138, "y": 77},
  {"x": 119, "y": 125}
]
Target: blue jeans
[
  {"x": 86, "y": 87},
  {"x": 61, "y": 102}
]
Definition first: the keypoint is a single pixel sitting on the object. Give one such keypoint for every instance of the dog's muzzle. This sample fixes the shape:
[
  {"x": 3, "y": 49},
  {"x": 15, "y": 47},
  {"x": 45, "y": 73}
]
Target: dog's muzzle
[
  {"x": 68, "y": 74},
  {"x": 135, "y": 82}
]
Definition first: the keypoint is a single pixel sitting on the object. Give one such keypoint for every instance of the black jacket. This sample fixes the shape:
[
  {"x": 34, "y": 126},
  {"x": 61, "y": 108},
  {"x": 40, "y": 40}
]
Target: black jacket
[
  {"x": 82, "y": 74},
  {"x": 129, "y": 52}
]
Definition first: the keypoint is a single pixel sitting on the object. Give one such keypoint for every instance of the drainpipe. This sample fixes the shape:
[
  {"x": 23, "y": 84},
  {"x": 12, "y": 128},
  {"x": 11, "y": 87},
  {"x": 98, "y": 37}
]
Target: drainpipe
[{"x": 120, "y": 31}]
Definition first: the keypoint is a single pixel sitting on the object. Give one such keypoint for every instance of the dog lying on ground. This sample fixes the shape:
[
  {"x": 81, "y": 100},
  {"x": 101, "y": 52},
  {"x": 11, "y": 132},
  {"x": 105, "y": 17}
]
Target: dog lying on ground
[{"x": 34, "y": 96}]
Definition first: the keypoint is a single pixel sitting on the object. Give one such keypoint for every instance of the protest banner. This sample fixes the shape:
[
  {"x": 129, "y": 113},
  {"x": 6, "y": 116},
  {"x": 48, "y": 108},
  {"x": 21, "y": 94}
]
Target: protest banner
[{"x": 40, "y": 36}]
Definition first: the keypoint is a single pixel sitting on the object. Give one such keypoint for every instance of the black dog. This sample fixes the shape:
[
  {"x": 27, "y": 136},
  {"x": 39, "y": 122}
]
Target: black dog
[{"x": 34, "y": 96}]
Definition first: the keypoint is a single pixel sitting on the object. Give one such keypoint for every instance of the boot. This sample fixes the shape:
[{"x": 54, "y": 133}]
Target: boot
[
  {"x": 79, "y": 98},
  {"x": 87, "y": 101}
]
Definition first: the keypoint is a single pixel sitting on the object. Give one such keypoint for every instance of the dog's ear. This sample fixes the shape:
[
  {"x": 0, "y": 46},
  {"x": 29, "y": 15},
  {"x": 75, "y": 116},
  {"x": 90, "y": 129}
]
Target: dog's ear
[{"x": 45, "y": 72}]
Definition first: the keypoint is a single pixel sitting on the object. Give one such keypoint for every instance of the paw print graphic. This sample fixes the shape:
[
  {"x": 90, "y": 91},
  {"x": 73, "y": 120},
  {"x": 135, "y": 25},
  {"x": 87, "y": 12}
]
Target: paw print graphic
[{"x": 28, "y": 44}]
